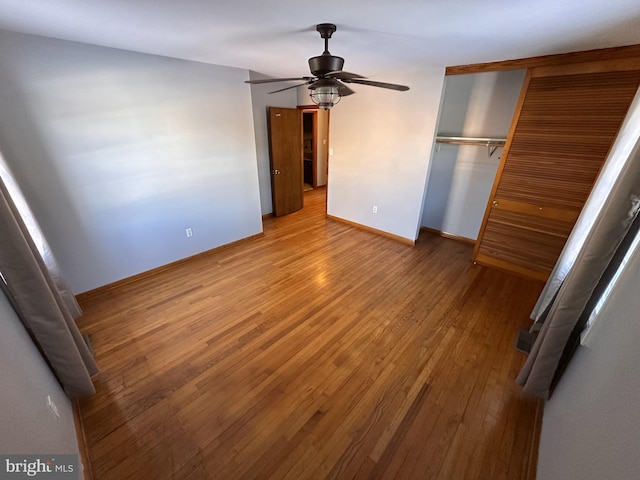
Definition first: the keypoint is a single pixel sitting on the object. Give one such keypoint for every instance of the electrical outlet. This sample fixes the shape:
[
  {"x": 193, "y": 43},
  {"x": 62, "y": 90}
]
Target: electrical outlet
[
  {"x": 53, "y": 406},
  {"x": 375, "y": 209},
  {"x": 189, "y": 232}
]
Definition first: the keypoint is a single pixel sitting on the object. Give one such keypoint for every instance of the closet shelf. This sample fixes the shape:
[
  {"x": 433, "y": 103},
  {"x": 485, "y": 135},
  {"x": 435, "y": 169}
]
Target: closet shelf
[{"x": 492, "y": 144}]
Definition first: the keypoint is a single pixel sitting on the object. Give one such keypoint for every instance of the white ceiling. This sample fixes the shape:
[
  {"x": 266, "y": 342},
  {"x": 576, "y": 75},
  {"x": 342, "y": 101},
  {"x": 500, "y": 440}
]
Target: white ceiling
[{"x": 275, "y": 37}]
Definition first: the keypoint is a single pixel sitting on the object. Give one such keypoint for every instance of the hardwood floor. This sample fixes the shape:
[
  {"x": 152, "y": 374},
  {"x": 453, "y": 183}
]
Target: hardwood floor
[{"x": 317, "y": 351}]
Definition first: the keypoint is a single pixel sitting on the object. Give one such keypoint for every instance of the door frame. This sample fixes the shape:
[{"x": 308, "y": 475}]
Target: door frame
[{"x": 314, "y": 109}]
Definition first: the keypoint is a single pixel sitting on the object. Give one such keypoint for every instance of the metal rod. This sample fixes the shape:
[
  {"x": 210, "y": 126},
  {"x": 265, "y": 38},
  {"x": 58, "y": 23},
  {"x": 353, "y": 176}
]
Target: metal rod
[{"x": 479, "y": 141}]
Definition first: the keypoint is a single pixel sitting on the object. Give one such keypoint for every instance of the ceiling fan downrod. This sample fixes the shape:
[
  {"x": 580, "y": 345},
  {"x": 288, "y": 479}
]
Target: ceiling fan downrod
[
  {"x": 325, "y": 63},
  {"x": 326, "y": 30}
]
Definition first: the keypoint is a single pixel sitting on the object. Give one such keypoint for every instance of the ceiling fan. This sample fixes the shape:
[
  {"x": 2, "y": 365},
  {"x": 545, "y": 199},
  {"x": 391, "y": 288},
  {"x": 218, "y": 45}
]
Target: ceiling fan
[{"x": 327, "y": 83}]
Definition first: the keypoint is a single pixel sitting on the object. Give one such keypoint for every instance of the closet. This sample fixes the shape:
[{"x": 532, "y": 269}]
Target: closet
[
  {"x": 565, "y": 122},
  {"x": 474, "y": 120}
]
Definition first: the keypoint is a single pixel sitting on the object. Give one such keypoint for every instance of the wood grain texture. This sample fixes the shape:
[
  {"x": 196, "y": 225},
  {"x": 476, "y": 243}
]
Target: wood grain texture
[
  {"x": 452, "y": 236},
  {"x": 82, "y": 441},
  {"x": 561, "y": 134},
  {"x": 286, "y": 154},
  {"x": 565, "y": 129},
  {"x": 317, "y": 351},
  {"x": 613, "y": 53},
  {"x": 121, "y": 284},
  {"x": 407, "y": 241}
]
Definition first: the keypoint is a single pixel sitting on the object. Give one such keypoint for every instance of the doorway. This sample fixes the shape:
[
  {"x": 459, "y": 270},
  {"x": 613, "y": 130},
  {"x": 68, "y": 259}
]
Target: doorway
[
  {"x": 298, "y": 155},
  {"x": 315, "y": 134},
  {"x": 309, "y": 148}
]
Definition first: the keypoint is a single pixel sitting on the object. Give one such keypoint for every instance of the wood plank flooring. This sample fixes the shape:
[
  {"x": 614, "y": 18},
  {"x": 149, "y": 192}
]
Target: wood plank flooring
[{"x": 317, "y": 351}]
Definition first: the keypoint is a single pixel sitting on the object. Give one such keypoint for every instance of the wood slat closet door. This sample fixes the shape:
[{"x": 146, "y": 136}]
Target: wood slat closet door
[{"x": 564, "y": 125}]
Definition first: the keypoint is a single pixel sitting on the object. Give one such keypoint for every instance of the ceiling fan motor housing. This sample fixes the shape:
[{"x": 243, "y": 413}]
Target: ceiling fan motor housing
[{"x": 323, "y": 64}]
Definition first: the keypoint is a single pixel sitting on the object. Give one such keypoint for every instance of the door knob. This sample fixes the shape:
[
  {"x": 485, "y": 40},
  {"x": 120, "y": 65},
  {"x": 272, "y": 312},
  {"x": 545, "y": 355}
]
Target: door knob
[{"x": 495, "y": 203}]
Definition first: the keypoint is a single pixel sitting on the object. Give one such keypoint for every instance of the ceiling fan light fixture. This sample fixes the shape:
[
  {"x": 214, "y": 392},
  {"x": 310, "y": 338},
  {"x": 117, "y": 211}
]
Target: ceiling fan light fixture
[
  {"x": 328, "y": 80},
  {"x": 325, "y": 96}
]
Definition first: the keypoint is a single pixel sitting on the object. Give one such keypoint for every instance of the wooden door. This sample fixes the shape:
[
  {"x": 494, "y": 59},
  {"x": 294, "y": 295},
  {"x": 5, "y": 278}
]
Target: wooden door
[
  {"x": 285, "y": 154},
  {"x": 565, "y": 123}
]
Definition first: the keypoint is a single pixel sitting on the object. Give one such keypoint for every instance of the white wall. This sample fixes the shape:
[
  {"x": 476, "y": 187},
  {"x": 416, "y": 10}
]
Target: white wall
[
  {"x": 261, "y": 99},
  {"x": 28, "y": 425},
  {"x": 119, "y": 152},
  {"x": 590, "y": 424},
  {"x": 461, "y": 177},
  {"x": 381, "y": 141},
  {"x": 302, "y": 93}
]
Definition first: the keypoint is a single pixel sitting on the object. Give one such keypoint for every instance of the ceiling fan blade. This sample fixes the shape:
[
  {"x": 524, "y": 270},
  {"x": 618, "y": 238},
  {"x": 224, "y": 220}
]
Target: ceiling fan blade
[
  {"x": 289, "y": 88},
  {"x": 343, "y": 90},
  {"x": 274, "y": 80},
  {"x": 340, "y": 75},
  {"x": 371, "y": 83}
]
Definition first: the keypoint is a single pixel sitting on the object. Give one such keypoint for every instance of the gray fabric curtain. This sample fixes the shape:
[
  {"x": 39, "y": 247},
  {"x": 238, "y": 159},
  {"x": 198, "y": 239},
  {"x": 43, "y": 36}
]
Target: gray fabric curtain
[
  {"x": 611, "y": 170},
  {"x": 601, "y": 227},
  {"x": 42, "y": 300}
]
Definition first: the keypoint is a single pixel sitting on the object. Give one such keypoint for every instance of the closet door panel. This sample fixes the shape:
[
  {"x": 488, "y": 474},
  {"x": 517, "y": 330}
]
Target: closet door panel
[
  {"x": 559, "y": 139},
  {"x": 523, "y": 243}
]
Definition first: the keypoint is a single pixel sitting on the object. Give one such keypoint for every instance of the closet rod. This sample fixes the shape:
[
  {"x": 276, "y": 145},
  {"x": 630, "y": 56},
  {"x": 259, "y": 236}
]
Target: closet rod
[
  {"x": 480, "y": 141},
  {"x": 492, "y": 144}
]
